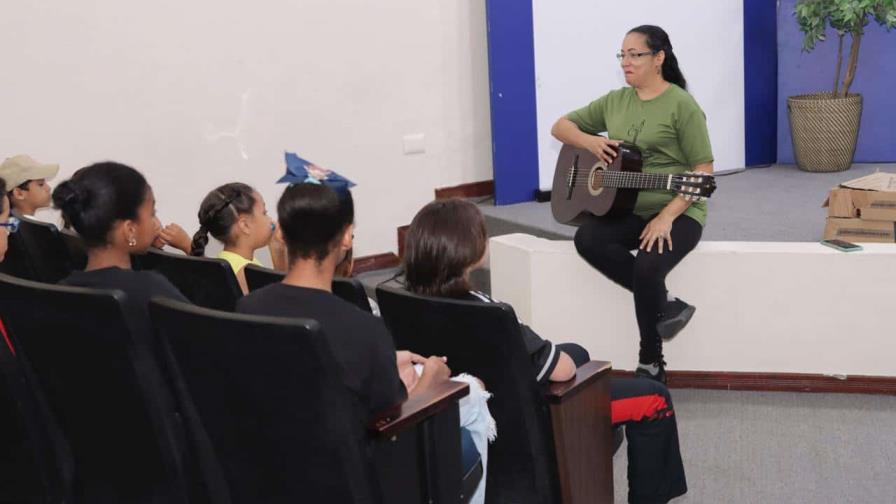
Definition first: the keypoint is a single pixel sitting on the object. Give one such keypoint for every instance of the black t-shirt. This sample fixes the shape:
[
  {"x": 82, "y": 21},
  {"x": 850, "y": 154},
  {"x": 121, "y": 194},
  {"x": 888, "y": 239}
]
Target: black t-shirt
[
  {"x": 360, "y": 342},
  {"x": 138, "y": 286},
  {"x": 543, "y": 353}
]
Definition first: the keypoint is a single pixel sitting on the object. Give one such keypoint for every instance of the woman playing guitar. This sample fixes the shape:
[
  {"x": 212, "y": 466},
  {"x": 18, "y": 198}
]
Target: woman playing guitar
[{"x": 657, "y": 114}]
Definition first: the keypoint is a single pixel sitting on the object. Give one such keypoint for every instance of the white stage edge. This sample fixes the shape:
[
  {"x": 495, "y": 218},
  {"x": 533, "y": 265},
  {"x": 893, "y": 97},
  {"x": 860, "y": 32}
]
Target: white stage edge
[{"x": 761, "y": 306}]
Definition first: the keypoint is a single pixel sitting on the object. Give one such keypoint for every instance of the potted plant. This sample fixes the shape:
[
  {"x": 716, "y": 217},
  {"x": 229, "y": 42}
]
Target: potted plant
[{"x": 825, "y": 126}]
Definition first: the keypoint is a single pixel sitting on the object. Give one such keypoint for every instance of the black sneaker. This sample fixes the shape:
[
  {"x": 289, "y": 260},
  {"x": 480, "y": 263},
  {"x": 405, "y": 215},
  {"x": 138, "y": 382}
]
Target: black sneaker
[
  {"x": 676, "y": 315},
  {"x": 660, "y": 376}
]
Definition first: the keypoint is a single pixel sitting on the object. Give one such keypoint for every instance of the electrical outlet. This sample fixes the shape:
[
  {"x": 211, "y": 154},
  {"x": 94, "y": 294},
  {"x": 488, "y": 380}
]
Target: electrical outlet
[{"x": 414, "y": 143}]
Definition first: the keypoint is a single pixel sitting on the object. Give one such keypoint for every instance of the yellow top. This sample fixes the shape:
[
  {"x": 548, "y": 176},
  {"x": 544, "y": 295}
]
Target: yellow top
[{"x": 236, "y": 261}]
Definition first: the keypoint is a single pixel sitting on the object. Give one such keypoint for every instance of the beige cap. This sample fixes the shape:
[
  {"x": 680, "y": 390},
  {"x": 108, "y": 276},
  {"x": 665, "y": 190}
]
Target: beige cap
[{"x": 19, "y": 169}]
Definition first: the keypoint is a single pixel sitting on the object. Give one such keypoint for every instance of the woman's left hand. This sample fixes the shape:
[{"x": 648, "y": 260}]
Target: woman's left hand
[{"x": 658, "y": 230}]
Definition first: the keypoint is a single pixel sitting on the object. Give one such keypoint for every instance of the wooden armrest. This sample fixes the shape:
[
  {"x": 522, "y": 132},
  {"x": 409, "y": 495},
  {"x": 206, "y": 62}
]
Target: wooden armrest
[
  {"x": 417, "y": 408},
  {"x": 561, "y": 391},
  {"x": 581, "y": 421}
]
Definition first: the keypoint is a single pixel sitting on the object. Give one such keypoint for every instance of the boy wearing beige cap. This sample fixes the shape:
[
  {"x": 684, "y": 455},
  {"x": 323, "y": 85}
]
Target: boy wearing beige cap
[{"x": 26, "y": 181}]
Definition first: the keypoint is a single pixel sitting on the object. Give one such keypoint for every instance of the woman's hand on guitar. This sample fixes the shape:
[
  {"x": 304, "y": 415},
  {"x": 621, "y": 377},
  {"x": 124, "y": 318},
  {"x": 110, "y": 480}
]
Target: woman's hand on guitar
[
  {"x": 658, "y": 231},
  {"x": 603, "y": 148}
]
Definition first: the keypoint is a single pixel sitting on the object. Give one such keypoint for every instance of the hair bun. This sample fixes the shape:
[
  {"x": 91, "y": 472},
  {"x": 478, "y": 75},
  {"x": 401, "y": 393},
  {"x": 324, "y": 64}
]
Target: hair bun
[{"x": 68, "y": 198}]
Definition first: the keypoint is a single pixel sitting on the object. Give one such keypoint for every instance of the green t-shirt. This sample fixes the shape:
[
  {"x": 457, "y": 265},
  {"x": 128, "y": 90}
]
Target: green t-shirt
[{"x": 670, "y": 130}]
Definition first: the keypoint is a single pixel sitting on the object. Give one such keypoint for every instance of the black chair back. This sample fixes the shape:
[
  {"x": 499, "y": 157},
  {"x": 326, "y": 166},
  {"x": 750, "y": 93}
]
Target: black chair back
[
  {"x": 351, "y": 290},
  {"x": 35, "y": 465},
  {"x": 36, "y": 252},
  {"x": 348, "y": 289},
  {"x": 77, "y": 250},
  {"x": 103, "y": 386},
  {"x": 204, "y": 281},
  {"x": 485, "y": 340},
  {"x": 259, "y": 276},
  {"x": 281, "y": 425}
]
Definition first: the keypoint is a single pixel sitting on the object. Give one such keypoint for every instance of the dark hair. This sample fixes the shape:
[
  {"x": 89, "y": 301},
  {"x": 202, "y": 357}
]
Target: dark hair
[
  {"x": 312, "y": 219},
  {"x": 445, "y": 238},
  {"x": 344, "y": 268},
  {"x": 3, "y": 192},
  {"x": 658, "y": 40},
  {"x": 219, "y": 211},
  {"x": 23, "y": 186},
  {"x": 99, "y": 195}
]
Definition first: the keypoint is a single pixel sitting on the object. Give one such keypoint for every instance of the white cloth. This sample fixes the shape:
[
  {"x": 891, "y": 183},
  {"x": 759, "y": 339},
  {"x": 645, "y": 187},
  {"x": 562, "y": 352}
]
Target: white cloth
[{"x": 476, "y": 418}]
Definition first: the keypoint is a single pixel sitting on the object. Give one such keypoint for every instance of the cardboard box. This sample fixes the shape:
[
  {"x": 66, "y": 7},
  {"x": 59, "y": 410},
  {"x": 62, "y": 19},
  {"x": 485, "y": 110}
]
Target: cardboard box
[
  {"x": 871, "y": 198},
  {"x": 860, "y": 230}
]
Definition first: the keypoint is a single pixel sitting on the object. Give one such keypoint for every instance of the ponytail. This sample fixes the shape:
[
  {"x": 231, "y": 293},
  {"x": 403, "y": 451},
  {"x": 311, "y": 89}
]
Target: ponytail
[
  {"x": 200, "y": 240},
  {"x": 671, "y": 72},
  {"x": 658, "y": 40}
]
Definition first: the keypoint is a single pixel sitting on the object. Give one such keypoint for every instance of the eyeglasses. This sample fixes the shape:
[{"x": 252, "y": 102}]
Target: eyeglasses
[
  {"x": 633, "y": 56},
  {"x": 12, "y": 225}
]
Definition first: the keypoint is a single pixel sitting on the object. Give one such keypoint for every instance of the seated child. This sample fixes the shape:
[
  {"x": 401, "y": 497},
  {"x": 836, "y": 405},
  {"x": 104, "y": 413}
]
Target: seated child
[
  {"x": 6, "y": 227},
  {"x": 112, "y": 208},
  {"x": 316, "y": 224},
  {"x": 446, "y": 241},
  {"x": 26, "y": 184},
  {"x": 236, "y": 216}
]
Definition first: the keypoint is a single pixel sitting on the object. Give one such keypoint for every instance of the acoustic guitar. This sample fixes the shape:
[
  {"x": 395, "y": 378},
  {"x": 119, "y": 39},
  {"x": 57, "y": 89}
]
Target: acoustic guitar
[{"x": 583, "y": 184}]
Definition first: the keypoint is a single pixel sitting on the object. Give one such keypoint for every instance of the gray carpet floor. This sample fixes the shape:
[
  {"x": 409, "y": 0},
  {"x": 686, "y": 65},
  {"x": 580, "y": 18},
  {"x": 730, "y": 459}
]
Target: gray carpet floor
[
  {"x": 773, "y": 447},
  {"x": 778, "y": 203}
]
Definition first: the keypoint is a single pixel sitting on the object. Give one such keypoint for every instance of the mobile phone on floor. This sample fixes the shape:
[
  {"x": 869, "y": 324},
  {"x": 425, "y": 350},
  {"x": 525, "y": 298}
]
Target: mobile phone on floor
[{"x": 841, "y": 245}]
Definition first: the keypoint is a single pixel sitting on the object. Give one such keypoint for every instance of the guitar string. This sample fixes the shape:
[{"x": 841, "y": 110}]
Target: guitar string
[
  {"x": 654, "y": 178},
  {"x": 638, "y": 180},
  {"x": 649, "y": 179}
]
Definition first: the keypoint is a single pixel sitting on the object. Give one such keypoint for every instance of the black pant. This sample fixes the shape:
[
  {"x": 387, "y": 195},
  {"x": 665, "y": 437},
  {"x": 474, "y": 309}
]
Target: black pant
[
  {"x": 606, "y": 243},
  {"x": 644, "y": 407}
]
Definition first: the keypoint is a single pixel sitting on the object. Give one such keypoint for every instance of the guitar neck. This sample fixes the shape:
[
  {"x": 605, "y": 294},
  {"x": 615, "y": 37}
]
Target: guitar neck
[{"x": 635, "y": 180}]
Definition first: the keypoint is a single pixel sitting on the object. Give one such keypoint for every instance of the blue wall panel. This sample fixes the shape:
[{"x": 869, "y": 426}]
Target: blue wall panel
[
  {"x": 511, "y": 63},
  {"x": 760, "y": 81}
]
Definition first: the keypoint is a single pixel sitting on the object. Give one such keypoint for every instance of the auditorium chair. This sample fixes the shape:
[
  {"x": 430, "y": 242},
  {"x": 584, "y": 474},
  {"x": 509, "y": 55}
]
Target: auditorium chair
[
  {"x": 36, "y": 252},
  {"x": 35, "y": 467},
  {"x": 204, "y": 281},
  {"x": 280, "y": 426},
  {"x": 554, "y": 442},
  {"x": 76, "y": 249},
  {"x": 348, "y": 289},
  {"x": 102, "y": 386}
]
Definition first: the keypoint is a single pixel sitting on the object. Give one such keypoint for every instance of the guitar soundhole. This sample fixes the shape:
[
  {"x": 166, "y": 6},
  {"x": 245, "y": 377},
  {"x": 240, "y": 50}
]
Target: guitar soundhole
[{"x": 596, "y": 179}]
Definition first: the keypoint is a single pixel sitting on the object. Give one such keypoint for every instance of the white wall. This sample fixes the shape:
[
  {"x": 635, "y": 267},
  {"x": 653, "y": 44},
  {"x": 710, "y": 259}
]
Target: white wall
[
  {"x": 200, "y": 93},
  {"x": 575, "y": 44}
]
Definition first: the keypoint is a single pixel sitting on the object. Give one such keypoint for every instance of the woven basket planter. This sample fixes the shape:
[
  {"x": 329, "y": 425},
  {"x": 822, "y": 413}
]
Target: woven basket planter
[{"x": 824, "y": 129}]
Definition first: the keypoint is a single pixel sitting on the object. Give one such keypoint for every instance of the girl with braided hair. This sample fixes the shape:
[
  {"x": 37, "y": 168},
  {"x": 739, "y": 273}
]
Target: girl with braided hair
[{"x": 235, "y": 215}]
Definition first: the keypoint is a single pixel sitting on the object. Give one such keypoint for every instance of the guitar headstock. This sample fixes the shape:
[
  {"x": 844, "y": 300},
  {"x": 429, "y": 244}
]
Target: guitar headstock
[{"x": 694, "y": 186}]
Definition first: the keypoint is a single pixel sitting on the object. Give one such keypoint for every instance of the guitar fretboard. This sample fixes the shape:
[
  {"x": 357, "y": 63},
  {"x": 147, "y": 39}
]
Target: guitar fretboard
[{"x": 635, "y": 180}]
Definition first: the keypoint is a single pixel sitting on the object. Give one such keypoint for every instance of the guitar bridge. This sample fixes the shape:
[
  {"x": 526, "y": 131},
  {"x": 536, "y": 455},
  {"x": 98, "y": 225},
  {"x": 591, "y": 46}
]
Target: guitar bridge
[{"x": 571, "y": 177}]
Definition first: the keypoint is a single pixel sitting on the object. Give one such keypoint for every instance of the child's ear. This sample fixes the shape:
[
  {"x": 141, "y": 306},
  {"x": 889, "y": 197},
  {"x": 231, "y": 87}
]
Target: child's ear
[
  {"x": 348, "y": 237},
  {"x": 243, "y": 225},
  {"x": 129, "y": 232},
  {"x": 18, "y": 193}
]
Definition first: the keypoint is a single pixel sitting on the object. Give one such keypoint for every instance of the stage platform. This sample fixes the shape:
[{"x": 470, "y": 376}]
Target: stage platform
[
  {"x": 778, "y": 203},
  {"x": 762, "y": 307}
]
